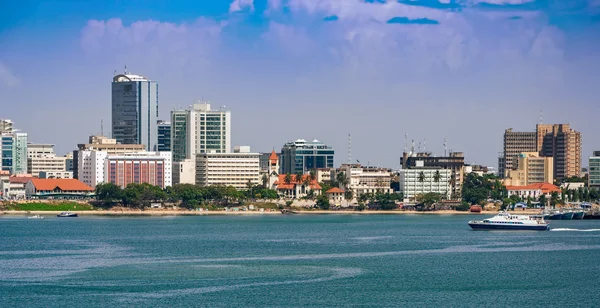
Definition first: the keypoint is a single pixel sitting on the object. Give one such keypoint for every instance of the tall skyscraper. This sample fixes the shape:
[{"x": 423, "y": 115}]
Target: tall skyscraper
[
  {"x": 200, "y": 130},
  {"x": 164, "y": 136},
  {"x": 303, "y": 156},
  {"x": 515, "y": 143},
  {"x": 564, "y": 144},
  {"x": 135, "y": 110}
]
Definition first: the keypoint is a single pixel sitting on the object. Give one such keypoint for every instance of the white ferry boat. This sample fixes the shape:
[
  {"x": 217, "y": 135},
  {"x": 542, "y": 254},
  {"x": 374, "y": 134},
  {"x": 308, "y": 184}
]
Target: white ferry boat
[{"x": 506, "y": 221}]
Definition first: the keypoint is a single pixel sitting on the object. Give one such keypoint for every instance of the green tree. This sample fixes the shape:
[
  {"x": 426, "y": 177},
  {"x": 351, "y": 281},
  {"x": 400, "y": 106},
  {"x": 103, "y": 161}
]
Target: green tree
[
  {"x": 428, "y": 200},
  {"x": 323, "y": 202},
  {"x": 108, "y": 192},
  {"x": 265, "y": 181},
  {"x": 342, "y": 179},
  {"x": 437, "y": 176},
  {"x": 421, "y": 177},
  {"x": 288, "y": 178},
  {"x": 554, "y": 198},
  {"x": 543, "y": 201}
]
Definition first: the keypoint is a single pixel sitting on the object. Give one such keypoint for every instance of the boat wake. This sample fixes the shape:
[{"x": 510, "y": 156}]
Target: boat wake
[{"x": 575, "y": 230}]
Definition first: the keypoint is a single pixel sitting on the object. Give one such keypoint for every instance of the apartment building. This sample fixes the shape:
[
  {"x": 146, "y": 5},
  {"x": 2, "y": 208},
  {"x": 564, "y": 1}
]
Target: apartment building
[
  {"x": 594, "y": 170},
  {"x": 153, "y": 168},
  {"x": 41, "y": 157},
  {"x": 228, "y": 169},
  {"x": 562, "y": 143},
  {"x": 421, "y": 180},
  {"x": 531, "y": 169},
  {"x": 367, "y": 180},
  {"x": 514, "y": 144}
]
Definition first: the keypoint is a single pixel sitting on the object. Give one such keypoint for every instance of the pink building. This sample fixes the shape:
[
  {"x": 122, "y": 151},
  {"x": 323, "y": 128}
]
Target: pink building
[{"x": 139, "y": 168}]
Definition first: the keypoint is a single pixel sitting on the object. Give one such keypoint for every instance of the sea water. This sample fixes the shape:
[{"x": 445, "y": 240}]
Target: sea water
[{"x": 294, "y": 261}]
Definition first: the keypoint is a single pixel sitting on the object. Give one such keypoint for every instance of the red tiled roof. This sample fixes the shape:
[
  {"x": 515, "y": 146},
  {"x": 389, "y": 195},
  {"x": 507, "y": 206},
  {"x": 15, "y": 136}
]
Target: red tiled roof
[
  {"x": 62, "y": 184},
  {"x": 544, "y": 187},
  {"x": 273, "y": 158},
  {"x": 336, "y": 190},
  {"x": 281, "y": 179},
  {"x": 19, "y": 179}
]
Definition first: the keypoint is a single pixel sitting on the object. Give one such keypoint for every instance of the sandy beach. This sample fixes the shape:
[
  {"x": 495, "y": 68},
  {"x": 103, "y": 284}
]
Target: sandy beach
[{"x": 249, "y": 213}]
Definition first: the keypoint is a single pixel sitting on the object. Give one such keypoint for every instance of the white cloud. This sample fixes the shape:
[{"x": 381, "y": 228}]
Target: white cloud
[
  {"x": 239, "y": 5},
  {"x": 7, "y": 78}
]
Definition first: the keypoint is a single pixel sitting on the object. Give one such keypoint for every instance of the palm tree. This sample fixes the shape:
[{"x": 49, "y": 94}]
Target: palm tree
[
  {"x": 298, "y": 181},
  {"x": 312, "y": 175},
  {"x": 379, "y": 185},
  {"x": 342, "y": 179},
  {"x": 421, "y": 177},
  {"x": 265, "y": 180},
  {"x": 288, "y": 178},
  {"x": 437, "y": 176}
]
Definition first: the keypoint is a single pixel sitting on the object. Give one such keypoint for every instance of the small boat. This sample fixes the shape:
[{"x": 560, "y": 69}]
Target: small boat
[
  {"x": 286, "y": 211},
  {"x": 36, "y": 217},
  {"x": 506, "y": 221},
  {"x": 67, "y": 214},
  {"x": 556, "y": 215},
  {"x": 567, "y": 215},
  {"x": 578, "y": 214}
]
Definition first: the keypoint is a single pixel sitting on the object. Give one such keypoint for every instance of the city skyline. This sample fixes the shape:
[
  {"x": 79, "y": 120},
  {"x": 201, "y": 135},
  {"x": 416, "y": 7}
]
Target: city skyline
[{"x": 465, "y": 70}]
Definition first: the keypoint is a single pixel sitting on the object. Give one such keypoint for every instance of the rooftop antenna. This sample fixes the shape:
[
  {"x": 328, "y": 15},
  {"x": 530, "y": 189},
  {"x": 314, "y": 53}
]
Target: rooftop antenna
[
  {"x": 412, "y": 148},
  {"x": 445, "y": 147},
  {"x": 349, "y": 149},
  {"x": 425, "y": 145},
  {"x": 419, "y": 147},
  {"x": 541, "y": 116},
  {"x": 101, "y": 127},
  {"x": 115, "y": 73},
  {"x": 405, "y": 141},
  {"x": 125, "y": 68}
]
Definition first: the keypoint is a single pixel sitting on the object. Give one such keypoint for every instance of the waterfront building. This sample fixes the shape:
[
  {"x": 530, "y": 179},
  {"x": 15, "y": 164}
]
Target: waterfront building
[
  {"x": 184, "y": 172},
  {"x": 594, "y": 170},
  {"x": 367, "y": 180},
  {"x": 421, "y": 180},
  {"x": 153, "y": 168},
  {"x": 303, "y": 156},
  {"x": 336, "y": 195},
  {"x": 562, "y": 143},
  {"x": 533, "y": 191},
  {"x": 135, "y": 110},
  {"x": 200, "y": 130},
  {"x": 228, "y": 169},
  {"x": 41, "y": 157},
  {"x": 81, "y": 165},
  {"x": 14, "y": 188},
  {"x": 531, "y": 168},
  {"x": 514, "y": 144},
  {"x": 13, "y": 151},
  {"x": 455, "y": 162},
  {"x": 164, "y": 136},
  {"x": 296, "y": 189},
  {"x": 57, "y": 189},
  {"x": 4, "y": 183}
]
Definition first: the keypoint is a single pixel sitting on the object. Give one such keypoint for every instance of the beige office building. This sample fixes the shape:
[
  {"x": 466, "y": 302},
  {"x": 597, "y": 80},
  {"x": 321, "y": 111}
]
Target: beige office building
[
  {"x": 531, "y": 169},
  {"x": 41, "y": 157},
  {"x": 367, "y": 180},
  {"x": 228, "y": 169}
]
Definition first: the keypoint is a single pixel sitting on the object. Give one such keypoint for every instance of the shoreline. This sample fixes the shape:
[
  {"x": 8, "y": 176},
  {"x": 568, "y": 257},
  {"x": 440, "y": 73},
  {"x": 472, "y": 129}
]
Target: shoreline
[{"x": 254, "y": 213}]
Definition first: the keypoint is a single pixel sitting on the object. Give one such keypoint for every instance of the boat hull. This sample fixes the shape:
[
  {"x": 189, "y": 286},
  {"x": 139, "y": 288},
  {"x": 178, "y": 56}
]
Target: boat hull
[
  {"x": 566, "y": 216},
  {"x": 68, "y": 215},
  {"x": 578, "y": 215},
  {"x": 479, "y": 226},
  {"x": 556, "y": 216}
]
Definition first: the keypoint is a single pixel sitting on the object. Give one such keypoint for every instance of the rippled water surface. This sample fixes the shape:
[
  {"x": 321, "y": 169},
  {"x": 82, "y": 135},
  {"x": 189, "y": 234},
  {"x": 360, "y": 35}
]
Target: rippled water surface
[{"x": 294, "y": 261}]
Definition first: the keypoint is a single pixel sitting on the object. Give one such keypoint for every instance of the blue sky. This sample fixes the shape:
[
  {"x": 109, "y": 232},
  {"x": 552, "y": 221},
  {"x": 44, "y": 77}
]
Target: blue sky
[{"x": 312, "y": 69}]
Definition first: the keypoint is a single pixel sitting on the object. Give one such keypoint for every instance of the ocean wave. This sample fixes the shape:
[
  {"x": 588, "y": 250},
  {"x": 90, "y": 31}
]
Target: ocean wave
[{"x": 575, "y": 230}]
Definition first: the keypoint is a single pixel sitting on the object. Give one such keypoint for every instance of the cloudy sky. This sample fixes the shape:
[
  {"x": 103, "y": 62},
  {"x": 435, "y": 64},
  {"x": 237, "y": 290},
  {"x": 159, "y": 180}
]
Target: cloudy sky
[{"x": 313, "y": 69}]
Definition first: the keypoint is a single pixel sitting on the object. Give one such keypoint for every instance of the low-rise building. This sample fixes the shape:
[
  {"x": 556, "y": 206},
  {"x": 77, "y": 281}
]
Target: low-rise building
[
  {"x": 15, "y": 188},
  {"x": 336, "y": 195},
  {"x": 324, "y": 174},
  {"x": 367, "y": 180},
  {"x": 292, "y": 188},
  {"x": 184, "y": 172},
  {"x": 57, "y": 189},
  {"x": 102, "y": 144},
  {"x": 228, "y": 169},
  {"x": 533, "y": 191}
]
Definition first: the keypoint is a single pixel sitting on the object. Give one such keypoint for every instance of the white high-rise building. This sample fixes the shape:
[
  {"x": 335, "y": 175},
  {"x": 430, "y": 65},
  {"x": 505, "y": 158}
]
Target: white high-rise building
[
  {"x": 90, "y": 166},
  {"x": 200, "y": 130}
]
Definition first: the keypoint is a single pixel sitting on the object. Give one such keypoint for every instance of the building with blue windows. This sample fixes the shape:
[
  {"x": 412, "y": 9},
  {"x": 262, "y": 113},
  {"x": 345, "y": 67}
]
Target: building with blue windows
[
  {"x": 13, "y": 152},
  {"x": 135, "y": 110},
  {"x": 303, "y": 156},
  {"x": 164, "y": 136}
]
